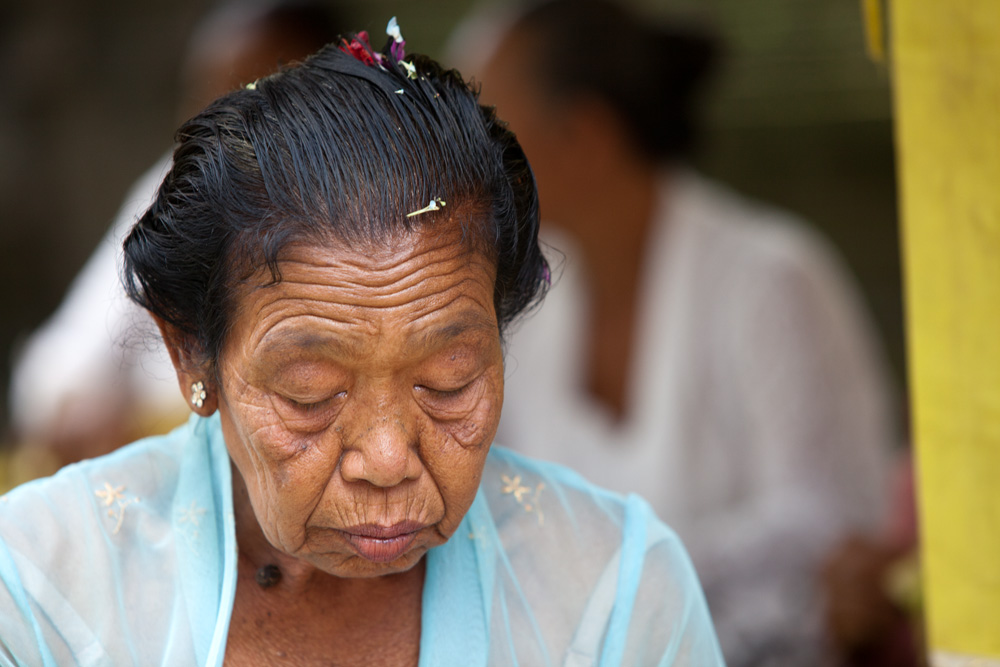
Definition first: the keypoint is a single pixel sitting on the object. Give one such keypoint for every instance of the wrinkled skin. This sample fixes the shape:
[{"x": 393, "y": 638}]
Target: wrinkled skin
[{"x": 362, "y": 389}]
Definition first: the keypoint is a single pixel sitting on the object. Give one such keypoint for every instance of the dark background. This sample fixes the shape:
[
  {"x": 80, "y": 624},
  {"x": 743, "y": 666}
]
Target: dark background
[{"x": 88, "y": 92}]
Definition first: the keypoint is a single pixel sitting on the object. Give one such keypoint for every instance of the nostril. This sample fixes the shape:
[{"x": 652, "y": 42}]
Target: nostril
[{"x": 384, "y": 455}]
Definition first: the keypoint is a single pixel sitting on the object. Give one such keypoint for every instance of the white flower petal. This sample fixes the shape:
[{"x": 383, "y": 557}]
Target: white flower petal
[{"x": 393, "y": 30}]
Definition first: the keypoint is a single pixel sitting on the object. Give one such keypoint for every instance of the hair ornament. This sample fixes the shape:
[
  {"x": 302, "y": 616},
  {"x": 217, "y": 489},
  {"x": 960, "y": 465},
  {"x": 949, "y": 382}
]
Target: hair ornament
[
  {"x": 396, "y": 48},
  {"x": 361, "y": 49},
  {"x": 411, "y": 69},
  {"x": 251, "y": 86},
  {"x": 436, "y": 204}
]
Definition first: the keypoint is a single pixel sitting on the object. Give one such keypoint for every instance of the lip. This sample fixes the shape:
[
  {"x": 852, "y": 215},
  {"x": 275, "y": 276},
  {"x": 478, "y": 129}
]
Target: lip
[{"x": 382, "y": 544}]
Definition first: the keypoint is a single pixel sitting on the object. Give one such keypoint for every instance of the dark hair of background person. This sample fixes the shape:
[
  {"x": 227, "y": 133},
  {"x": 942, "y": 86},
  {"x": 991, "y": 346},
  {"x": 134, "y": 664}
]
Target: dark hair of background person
[
  {"x": 331, "y": 149},
  {"x": 237, "y": 43},
  {"x": 313, "y": 24},
  {"x": 648, "y": 70}
]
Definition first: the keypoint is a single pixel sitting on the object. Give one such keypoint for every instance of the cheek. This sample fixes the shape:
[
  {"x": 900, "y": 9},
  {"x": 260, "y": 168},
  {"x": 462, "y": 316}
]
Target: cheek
[
  {"x": 473, "y": 422},
  {"x": 263, "y": 431},
  {"x": 477, "y": 429},
  {"x": 456, "y": 455},
  {"x": 456, "y": 475},
  {"x": 271, "y": 461}
]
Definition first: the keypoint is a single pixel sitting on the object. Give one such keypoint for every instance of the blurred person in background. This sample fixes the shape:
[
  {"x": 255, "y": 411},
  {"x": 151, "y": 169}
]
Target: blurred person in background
[
  {"x": 96, "y": 375},
  {"x": 705, "y": 351}
]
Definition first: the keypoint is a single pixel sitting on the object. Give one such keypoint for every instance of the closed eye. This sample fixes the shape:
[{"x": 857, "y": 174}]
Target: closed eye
[
  {"x": 309, "y": 406},
  {"x": 442, "y": 393}
]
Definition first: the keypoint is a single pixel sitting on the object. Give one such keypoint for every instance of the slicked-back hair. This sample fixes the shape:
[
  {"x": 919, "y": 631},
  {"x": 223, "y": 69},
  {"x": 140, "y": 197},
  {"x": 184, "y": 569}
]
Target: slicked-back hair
[{"x": 330, "y": 150}]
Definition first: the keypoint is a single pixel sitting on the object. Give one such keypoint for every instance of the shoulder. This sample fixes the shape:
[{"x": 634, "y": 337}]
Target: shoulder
[
  {"x": 598, "y": 567},
  {"x": 538, "y": 505},
  {"x": 93, "y": 492},
  {"x": 141, "y": 475},
  {"x": 68, "y": 541},
  {"x": 756, "y": 234},
  {"x": 519, "y": 487},
  {"x": 765, "y": 264}
]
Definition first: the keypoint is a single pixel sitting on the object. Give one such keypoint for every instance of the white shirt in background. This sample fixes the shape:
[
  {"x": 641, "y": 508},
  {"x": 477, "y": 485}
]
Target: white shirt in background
[{"x": 759, "y": 418}]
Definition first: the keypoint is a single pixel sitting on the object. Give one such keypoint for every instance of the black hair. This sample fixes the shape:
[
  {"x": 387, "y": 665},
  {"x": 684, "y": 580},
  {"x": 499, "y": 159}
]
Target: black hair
[
  {"x": 650, "y": 72},
  {"x": 340, "y": 147}
]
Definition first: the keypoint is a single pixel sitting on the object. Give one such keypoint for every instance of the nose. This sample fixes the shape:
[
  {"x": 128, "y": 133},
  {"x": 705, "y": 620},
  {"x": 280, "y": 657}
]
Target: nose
[{"x": 384, "y": 455}]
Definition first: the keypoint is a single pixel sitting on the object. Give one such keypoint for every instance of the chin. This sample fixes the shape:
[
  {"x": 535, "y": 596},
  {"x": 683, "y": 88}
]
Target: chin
[{"x": 358, "y": 567}]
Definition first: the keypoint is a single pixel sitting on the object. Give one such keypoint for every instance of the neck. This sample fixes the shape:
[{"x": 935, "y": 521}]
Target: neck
[
  {"x": 312, "y": 614},
  {"x": 613, "y": 230},
  {"x": 613, "y": 233}
]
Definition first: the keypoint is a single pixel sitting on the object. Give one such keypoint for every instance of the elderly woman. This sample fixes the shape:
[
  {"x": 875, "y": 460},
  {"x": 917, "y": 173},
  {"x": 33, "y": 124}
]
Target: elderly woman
[{"x": 332, "y": 261}]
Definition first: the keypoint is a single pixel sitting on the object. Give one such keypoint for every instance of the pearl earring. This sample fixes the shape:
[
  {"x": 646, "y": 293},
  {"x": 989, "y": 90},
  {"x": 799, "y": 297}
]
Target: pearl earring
[{"x": 198, "y": 394}]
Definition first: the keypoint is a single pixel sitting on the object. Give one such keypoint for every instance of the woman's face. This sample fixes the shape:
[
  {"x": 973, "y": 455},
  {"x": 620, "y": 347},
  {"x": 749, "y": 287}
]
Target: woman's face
[{"x": 360, "y": 396}]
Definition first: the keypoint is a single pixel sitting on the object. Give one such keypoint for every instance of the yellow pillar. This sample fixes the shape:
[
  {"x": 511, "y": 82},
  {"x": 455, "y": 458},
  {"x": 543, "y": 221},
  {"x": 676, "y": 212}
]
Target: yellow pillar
[{"x": 946, "y": 75}]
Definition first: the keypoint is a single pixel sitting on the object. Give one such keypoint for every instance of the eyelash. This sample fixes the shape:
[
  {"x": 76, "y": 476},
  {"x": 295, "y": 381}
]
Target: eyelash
[
  {"x": 310, "y": 407},
  {"x": 447, "y": 393}
]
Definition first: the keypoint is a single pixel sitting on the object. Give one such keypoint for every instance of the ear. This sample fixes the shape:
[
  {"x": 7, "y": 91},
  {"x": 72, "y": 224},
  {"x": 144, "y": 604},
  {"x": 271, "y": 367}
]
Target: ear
[{"x": 189, "y": 371}]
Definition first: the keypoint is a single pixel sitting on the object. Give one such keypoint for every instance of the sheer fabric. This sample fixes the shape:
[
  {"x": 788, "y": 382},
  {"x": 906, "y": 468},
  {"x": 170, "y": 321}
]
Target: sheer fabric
[{"x": 131, "y": 559}]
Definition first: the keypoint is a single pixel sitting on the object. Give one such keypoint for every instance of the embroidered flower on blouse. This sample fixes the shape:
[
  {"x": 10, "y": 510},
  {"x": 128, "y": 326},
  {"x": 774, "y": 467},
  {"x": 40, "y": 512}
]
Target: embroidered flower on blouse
[
  {"x": 114, "y": 499},
  {"x": 109, "y": 494},
  {"x": 190, "y": 514},
  {"x": 514, "y": 487}
]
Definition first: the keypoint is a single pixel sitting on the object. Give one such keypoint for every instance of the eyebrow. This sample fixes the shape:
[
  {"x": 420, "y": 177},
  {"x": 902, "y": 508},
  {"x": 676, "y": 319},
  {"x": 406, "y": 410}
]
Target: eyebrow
[
  {"x": 439, "y": 336},
  {"x": 299, "y": 341},
  {"x": 307, "y": 341}
]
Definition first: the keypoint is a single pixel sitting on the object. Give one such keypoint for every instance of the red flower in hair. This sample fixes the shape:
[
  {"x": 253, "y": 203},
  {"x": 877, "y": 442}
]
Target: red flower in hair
[{"x": 359, "y": 47}]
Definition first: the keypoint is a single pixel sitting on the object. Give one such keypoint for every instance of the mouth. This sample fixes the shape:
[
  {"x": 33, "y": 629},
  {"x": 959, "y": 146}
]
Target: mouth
[{"x": 382, "y": 544}]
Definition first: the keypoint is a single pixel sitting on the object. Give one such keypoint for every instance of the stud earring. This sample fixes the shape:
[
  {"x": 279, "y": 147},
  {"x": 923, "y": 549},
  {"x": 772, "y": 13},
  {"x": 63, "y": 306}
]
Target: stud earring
[{"x": 198, "y": 394}]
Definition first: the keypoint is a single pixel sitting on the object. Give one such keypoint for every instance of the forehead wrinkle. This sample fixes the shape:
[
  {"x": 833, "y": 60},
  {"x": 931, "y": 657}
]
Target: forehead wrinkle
[
  {"x": 272, "y": 316},
  {"x": 476, "y": 316},
  {"x": 375, "y": 284},
  {"x": 386, "y": 259},
  {"x": 288, "y": 334},
  {"x": 344, "y": 293},
  {"x": 354, "y": 295}
]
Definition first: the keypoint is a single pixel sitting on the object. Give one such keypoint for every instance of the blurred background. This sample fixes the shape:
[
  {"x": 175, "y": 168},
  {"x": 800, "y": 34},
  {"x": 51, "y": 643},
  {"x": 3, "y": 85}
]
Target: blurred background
[{"x": 799, "y": 117}]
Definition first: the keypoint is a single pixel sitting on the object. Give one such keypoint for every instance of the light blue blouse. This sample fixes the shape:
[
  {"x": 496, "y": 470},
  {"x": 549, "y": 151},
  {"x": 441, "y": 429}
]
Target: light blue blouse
[{"x": 131, "y": 559}]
